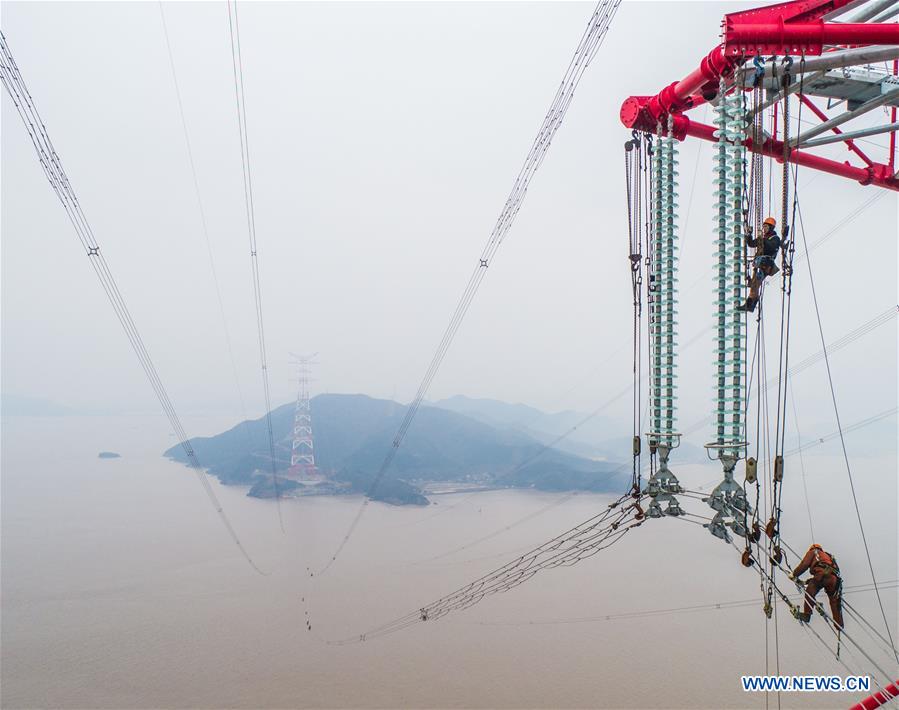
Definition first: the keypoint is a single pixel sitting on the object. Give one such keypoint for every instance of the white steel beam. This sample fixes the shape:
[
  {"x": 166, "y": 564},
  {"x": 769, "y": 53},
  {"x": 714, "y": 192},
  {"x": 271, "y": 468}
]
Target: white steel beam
[
  {"x": 851, "y": 135},
  {"x": 829, "y": 17},
  {"x": 842, "y": 118},
  {"x": 888, "y": 15},
  {"x": 871, "y": 10}
]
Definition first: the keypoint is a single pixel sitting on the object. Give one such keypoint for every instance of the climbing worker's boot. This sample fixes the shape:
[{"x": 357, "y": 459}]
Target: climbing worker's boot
[
  {"x": 805, "y": 617},
  {"x": 749, "y": 306}
]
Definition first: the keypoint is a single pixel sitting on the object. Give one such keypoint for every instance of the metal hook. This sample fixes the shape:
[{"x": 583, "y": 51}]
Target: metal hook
[{"x": 759, "y": 65}]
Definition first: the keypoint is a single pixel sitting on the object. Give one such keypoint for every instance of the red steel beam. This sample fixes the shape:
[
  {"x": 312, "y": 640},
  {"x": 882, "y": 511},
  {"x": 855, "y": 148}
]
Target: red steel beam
[
  {"x": 750, "y": 39},
  {"x": 876, "y": 174},
  {"x": 790, "y": 11},
  {"x": 879, "y": 698},
  {"x": 742, "y": 40},
  {"x": 893, "y": 120},
  {"x": 788, "y": 28}
]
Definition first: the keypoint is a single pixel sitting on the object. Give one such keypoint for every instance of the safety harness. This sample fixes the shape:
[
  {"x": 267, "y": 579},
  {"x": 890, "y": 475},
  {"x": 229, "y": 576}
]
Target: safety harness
[{"x": 824, "y": 564}]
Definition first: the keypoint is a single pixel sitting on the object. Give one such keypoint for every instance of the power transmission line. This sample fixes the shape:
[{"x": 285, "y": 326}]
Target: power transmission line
[
  {"x": 883, "y": 318},
  {"x": 237, "y": 63},
  {"x": 886, "y": 414},
  {"x": 203, "y": 224},
  {"x": 836, "y": 410},
  {"x": 711, "y": 606},
  {"x": 597, "y": 27},
  {"x": 15, "y": 86},
  {"x": 565, "y": 550},
  {"x": 850, "y": 337}
]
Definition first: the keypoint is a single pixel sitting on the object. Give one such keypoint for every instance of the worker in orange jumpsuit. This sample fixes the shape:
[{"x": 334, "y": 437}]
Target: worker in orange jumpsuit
[
  {"x": 825, "y": 575},
  {"x": 763, "y": 265}
]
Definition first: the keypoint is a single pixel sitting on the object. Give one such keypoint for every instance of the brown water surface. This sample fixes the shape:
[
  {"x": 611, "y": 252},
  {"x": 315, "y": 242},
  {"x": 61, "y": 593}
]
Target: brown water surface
[{"x": 122, "y": 590}]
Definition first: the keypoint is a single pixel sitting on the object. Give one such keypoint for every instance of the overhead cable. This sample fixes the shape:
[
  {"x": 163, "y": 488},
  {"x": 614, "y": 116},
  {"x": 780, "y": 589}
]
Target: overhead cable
[
  {"x": 203, "y": 224},
  {"x": 711, "y": 606},
  {"x": 881, "y": 319},
  {"x": 564, "y": 550},
  {"x": 15, "y": 86},
  {"x": 836, "y": 410},
  {"x": 596, "y": 30},
  {"x": 237, "y": 63},
  {"x": 886, "y": 414}
]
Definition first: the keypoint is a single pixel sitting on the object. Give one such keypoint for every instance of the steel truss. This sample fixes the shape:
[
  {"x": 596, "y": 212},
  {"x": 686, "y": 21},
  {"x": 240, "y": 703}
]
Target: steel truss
[{"x": 830, "y": 60}]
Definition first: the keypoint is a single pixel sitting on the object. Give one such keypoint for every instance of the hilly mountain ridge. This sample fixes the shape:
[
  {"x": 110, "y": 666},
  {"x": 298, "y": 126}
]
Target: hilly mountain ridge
[{"x": 353, "y": 434}]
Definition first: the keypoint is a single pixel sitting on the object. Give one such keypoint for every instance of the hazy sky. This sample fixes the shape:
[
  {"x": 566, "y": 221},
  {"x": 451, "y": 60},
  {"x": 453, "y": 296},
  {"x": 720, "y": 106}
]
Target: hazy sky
[{"x": 384, "y": 141}]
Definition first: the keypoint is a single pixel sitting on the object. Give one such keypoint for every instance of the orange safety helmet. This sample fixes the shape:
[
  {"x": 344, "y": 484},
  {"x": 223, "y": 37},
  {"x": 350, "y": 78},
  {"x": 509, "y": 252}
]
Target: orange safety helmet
[{"x": 771, "y": 221}]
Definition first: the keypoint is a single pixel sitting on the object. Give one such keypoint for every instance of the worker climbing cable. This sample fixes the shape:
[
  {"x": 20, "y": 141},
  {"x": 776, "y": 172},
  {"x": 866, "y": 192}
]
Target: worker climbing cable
[
  {"x": 767, "y": 245},
  {"x": 825, "y": 575}
]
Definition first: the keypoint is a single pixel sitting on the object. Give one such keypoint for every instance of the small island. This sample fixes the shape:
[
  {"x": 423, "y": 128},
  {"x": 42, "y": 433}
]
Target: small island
[
  {"x": 265, "y": 487},
  {"x": 108, "y": 455}
]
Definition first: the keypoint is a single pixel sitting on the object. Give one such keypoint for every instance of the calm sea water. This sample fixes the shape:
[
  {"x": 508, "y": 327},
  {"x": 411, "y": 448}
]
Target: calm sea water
[{"x": 120, "y": 589}]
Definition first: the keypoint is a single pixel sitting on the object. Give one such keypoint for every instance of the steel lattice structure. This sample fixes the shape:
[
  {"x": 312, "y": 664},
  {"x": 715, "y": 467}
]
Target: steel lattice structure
[
  {"x": 828, "y": 59},
  {"x": 302, "y": 449}
]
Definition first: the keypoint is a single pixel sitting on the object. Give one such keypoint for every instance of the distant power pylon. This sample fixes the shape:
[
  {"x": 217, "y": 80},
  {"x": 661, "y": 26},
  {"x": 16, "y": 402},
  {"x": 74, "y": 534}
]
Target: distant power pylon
[{"x": 302, "y": 455}]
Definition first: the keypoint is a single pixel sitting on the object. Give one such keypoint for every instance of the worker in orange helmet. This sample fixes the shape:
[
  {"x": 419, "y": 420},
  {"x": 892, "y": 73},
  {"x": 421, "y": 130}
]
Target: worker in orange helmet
[
  {"x": 825, "y": 575},
  {"x": 766, "y": 248}
]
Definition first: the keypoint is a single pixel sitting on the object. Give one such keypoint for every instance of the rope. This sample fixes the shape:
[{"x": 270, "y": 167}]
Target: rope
[
  {"x": 635, "y": 167},
  {"x": 787, "y": 253}
]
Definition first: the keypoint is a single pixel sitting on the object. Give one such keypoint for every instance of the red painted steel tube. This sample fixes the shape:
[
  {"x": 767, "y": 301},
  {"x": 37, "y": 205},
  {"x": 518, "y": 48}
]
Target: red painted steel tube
[
  {"x": 691, "y": 91},
  {"x": 749, "y": 38},
  {"x": 893, "y": 133},
  {"x": 836, "y": 129},
  {"x": 702, "y": 81},
  {"x": 876, "y": 174},
  {"x": 881, "y": 697}
]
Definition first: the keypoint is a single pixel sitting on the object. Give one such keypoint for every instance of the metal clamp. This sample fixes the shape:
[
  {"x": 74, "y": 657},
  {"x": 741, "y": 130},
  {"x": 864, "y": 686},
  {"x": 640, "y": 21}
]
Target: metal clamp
[
  {"x": 715, "y": 446},
  {"x": 655, "y": 438}
]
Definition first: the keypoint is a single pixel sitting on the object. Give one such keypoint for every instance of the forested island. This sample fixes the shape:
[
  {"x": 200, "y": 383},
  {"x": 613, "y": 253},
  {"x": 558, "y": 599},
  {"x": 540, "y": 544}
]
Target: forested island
[{"x": 353, "y": 433}]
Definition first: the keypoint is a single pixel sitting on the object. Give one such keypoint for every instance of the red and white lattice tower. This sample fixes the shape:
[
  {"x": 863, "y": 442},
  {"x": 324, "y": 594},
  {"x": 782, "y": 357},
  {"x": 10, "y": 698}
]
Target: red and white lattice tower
[{"x": 302, "y": 454}]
